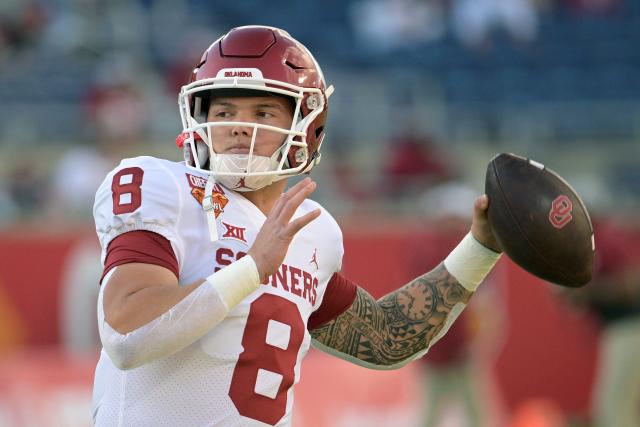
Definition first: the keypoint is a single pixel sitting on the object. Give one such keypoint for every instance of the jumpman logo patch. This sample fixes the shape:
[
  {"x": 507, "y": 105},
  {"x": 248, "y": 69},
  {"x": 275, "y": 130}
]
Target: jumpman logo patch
[{"x": 314, "y": 259}]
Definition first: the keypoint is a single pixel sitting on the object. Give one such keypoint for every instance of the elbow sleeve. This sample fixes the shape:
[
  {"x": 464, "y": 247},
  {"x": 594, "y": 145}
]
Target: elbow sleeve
[
  {"x": 184, "y": 323},
  {"x": 178, "y": 327}
]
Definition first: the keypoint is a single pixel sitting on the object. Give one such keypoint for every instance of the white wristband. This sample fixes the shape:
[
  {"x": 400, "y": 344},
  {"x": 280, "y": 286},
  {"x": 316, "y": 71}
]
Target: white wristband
[
  {"x": 470, "y": 262},
  {"x": 236, "y": 281}
]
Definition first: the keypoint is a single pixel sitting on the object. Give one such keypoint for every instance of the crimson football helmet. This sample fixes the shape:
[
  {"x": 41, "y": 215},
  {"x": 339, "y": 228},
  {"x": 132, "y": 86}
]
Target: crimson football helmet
[{"x": 246, "y": 61}]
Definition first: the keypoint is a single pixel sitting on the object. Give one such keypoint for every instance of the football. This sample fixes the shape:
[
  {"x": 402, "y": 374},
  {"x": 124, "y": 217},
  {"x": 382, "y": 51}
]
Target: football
[{"x": 539, "y": 220}]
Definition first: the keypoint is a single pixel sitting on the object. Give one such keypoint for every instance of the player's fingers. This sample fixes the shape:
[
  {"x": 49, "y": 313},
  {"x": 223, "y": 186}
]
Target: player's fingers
[
  {"x": 480, "y": 206},
  {"x": 277, "y": 207},
  {"x": 297, "y": 224},
  {"x": 480, "y": 227},
  {"x": 482, "y": 202},
  {"x": 291, "y": 205},
  {"x": 286, "y": 196}
]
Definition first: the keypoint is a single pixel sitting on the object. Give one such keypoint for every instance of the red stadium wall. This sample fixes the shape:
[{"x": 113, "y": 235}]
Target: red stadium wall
[
  {"x": 539, "y": 347},
  {"x": 31, "y": 269}
]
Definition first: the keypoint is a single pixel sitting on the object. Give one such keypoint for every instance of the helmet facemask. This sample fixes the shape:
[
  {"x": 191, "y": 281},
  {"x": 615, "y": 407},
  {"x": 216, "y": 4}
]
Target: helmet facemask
[{"x": 248, "y": 171}]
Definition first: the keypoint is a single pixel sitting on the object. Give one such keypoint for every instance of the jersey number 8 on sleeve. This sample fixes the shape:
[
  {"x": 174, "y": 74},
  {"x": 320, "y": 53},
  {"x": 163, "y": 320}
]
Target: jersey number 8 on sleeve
[{"x": 126, "y": 191}]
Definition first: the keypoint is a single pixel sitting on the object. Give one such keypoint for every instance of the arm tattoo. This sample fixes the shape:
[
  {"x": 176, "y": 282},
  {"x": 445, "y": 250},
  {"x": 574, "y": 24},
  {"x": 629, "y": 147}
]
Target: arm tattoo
[{"x": 397, "y": 326}]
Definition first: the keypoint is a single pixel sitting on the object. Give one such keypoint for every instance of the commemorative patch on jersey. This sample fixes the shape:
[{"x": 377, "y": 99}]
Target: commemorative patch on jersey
[{"x": 198, "y": 183}]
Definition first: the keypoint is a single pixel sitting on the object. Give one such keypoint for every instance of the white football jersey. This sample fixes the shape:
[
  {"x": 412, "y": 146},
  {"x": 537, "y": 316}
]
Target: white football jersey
[{"x": 242, "y": 372}]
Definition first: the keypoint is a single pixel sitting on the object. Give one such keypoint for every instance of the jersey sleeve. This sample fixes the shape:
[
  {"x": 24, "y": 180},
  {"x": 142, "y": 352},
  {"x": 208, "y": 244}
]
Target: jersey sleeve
[
  {"x": 339, "y": 296},
  {"x": 142, "y": 247},
  {"x": 140, "y": 194}
]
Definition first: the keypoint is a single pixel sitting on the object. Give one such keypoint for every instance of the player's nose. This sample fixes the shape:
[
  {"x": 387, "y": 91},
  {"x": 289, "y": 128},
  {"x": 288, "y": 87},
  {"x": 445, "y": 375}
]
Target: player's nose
[{"x": 240, "y": 130}]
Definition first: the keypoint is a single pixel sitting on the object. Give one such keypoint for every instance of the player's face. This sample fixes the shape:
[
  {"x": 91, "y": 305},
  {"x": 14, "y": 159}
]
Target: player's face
[{"x": 267, "y": 110}]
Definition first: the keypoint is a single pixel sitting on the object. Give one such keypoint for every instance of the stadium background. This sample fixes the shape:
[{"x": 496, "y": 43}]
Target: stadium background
[{"x": 427, "y": 91}]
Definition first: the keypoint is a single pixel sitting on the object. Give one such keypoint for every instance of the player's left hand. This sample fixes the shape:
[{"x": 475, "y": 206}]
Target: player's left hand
[{"x": 480, "y": 227}]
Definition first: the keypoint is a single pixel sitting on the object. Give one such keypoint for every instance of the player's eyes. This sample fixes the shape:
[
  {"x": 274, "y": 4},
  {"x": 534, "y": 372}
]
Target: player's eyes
[
  {"x": 221, "y": 114},
  {"x": 226, "y": 114}
]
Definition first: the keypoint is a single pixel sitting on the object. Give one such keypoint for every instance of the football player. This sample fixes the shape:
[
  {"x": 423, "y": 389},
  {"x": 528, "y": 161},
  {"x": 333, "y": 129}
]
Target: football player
[{"x": 217, "y": 280}]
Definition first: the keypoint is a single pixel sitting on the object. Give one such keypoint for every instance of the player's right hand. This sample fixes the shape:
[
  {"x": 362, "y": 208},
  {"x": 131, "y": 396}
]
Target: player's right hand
[
  {"x": 273, "y": 239},
  {"x": 480, "y": 227}
]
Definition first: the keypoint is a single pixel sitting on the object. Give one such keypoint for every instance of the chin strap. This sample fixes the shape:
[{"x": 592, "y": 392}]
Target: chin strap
[{"x": 208, "y": 207}]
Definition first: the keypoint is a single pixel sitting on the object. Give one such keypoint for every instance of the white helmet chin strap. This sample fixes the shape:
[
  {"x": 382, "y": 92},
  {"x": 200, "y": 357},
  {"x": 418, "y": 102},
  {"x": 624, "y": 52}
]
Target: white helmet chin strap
[
  {"x": 209, "y": 208},
  {"x": 236, "y": 164}
]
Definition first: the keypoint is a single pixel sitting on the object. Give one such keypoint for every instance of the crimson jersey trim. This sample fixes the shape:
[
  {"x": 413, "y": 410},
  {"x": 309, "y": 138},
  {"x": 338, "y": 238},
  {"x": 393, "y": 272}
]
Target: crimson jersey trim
[
  {"x": 338, "y": 297},
  {"x": 141, "y": 246}
]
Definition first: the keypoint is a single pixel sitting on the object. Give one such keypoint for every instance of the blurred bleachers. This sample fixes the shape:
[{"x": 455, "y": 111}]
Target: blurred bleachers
[
  {"x": 575, "y": 58},
  {"x": 574, "y": 85}
]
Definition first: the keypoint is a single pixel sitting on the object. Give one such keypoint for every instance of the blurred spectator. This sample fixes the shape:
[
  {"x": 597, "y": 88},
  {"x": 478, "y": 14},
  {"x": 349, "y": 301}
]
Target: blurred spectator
[
  {"x": 117, "y": 111},
  {"x": 180, "y": 66},
  {"x": 115, "y": 104},
  {"x": 95, "y": 28},
  {"x": 475, "y": 20},
  {"x": 386, "y": 25},
  {"x": 8, "y": 207},
  {"x": 346, "y": 176},
  {"x": 75, "y": 180},
  {"x": 614, "y": 297},
  {"x": 412, "y": 162},
  {"x": 592, "y": 7},
  {"x": 27, "y": 188},
  {"x": 21, "y": 23},
  {"x": 117, "y": 116},
  {"x": 449, "y": 200}
]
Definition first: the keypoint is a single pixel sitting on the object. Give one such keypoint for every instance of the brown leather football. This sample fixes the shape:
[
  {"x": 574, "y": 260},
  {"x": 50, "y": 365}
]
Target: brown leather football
[{"x": 539, "y": 220}]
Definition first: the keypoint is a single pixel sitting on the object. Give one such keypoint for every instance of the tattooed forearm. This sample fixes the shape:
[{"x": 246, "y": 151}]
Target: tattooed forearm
[{"x": 397, "y": 326}]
